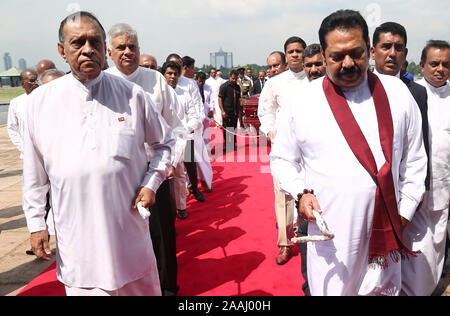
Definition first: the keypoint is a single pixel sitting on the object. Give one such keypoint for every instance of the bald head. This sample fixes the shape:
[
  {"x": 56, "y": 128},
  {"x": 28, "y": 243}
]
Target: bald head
[
  {"x": 148, "y": 61},
  {"x": 44, "y": 65},
  {"x": 28, "y": 80}
]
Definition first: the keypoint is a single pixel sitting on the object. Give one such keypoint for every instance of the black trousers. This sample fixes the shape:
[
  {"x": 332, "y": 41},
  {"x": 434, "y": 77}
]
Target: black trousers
[
  {"x": 229, "y": 132},
  {"x": 190, "y": 164},
  {"x": 303, "y": 231},
  {"x": 162, "y": 232}
]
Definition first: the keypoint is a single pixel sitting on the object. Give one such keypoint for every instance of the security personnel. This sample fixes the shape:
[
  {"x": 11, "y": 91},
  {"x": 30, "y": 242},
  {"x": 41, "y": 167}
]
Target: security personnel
[{"x": 246, "y": 90}]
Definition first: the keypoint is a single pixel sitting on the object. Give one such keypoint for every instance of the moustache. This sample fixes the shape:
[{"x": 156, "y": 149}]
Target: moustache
[
  {"x": 349, "y": 71},
  {"x": 315, "y": 74}
]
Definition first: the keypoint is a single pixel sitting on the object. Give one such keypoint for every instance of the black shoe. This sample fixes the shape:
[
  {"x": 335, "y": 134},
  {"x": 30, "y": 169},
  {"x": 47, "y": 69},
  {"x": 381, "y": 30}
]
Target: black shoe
[
  {"x": 182, "y": 214},
  {"x": 30, "y": 252},
  {"x": 198, "y": 195}
]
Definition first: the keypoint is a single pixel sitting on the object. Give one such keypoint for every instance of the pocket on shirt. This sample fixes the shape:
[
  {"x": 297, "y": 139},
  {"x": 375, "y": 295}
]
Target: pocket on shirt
[{"x": 123, "y": 142}]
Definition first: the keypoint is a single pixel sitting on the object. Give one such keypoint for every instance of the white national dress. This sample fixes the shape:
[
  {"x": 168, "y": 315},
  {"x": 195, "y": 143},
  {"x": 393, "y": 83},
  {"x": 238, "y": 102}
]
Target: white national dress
[
  {"x": 86, "y": 143},
  {"x": 309, "y": 138},
  {"x": 428, "y": 230}
]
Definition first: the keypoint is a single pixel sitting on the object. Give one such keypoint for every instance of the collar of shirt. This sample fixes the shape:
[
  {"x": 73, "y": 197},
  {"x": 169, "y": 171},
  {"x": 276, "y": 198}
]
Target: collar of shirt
[
  {"x": 442, "y": 92},
  {"x": 298, "y": 75},
  {"x": 375, "y": 71},
  {"x": 358, "y": 90},
  {"x": 88, "y": 85}
]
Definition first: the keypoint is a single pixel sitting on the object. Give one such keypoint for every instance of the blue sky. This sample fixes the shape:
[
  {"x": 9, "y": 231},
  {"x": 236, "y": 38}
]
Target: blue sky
[{"x": 251, "y": 29}]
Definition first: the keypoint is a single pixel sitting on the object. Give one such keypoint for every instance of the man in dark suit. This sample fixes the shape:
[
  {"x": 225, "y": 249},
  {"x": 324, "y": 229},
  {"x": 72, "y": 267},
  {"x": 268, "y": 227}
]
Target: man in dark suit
[
  {"x": 389, "y": 53},
  {"x": 258, "y": 84}
]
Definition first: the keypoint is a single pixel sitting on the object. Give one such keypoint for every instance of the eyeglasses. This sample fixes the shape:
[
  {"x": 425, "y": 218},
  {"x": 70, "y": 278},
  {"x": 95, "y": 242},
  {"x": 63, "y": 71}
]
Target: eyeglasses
[{"x": 31, "y": 80}]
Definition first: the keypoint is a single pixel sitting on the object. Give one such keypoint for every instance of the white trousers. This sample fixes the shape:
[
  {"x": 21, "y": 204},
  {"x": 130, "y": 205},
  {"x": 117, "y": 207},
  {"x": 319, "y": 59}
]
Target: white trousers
[
  {"x": 284, "y": 212},
  {"x": 427, "y": 233},
  {"x": 147, "y": 286}
]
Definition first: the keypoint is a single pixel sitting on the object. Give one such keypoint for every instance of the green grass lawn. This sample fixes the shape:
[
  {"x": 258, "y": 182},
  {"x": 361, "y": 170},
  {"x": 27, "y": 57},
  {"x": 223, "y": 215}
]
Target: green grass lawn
[{"x": 6, "y": 94}]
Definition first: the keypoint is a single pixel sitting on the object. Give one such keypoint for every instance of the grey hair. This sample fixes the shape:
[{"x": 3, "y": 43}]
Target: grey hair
[
  {"x": 50, "y": 72},
  {"x": 120, "y": 29}
]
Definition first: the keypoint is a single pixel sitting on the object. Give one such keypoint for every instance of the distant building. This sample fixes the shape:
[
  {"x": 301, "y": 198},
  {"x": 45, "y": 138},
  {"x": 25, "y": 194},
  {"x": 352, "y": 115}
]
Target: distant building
[
  {"x": 22, "y": 64},
  {"x": 221, "y": 59},
  {"x": 8, "y": 61}
]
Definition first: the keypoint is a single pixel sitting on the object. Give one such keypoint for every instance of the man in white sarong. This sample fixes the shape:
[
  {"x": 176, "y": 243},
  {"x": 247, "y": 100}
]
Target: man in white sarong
[
  {"x": 92, "y": 156},
  {"x": 18, "y": 107},
  {"x": 271, "y": 101},
  {"x": 124, "y": 50},
  {"x": 428, "y": 229},
  {"x": 343, "y": 140},
  {"x": 214, "y": 81},
  {"x": 191, "y": 122}
]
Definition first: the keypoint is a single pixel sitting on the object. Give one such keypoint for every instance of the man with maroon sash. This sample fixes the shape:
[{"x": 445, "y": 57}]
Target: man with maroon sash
[{"x": 350, "y": 147}]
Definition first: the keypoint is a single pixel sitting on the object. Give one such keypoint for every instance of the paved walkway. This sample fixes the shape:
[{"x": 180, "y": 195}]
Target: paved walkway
[{"x": 16, "y": 268}]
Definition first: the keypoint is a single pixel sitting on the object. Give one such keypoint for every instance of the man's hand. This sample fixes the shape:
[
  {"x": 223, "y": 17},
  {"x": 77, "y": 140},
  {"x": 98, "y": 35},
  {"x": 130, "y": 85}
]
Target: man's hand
[
  {"x": 171, "y": 172},
  {"x": 146, "y": 196},
  {"x": 404, "y": 223},
  {"x": 271, "y": 136},
  {"x": 224, "y": 115},
  {"x": 307, "y": 204},
  {"x": 40, "y": 246}
]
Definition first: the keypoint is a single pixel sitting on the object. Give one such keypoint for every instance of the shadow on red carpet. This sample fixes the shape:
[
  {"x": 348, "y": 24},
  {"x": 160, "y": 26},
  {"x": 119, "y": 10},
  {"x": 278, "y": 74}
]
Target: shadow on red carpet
[{"x": 227, "y": 245}]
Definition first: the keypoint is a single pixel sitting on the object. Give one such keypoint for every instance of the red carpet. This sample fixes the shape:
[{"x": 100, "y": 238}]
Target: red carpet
[{"x": 227, "y": 245}]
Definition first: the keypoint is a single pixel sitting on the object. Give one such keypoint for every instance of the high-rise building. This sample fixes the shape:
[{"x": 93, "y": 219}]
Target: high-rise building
[
  {"x": 22, "y": 64},
  {"x": 8, "y": 61},
  {"x": 221, "y": 59}
]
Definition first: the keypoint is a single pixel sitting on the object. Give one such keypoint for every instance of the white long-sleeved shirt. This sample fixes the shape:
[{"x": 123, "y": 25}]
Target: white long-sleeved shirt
[
  {"x": 163, "y": 97},
  {"x": 16, "y": 121},
  {"x": 273, "y": 97},
  {"x": 191, "y": 87},
  {"x": 190, "y": 117},
  {"x": 439, "y": 125},
  {"x": 215, "y": 84},
  {"x": 85, "y": 142},
  {"x": 311, "y": 152},
  {"x": 208, "y": 104}
]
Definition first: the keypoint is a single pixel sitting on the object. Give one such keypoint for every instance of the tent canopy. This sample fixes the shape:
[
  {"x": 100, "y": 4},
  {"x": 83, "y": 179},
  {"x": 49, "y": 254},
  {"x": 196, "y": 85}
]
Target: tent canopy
[{"x": 13, "y": 72}]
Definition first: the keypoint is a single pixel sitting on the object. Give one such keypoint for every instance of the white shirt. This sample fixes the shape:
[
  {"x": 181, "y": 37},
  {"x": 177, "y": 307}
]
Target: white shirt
[
  {"x": 208, "y": 104},
  {"x": 215, "y": 84},
  {"x": 312, "y": 153},
  {"x": 439, "y": 124},
  {"x": 190, "y": 119},
  {"x": 163, "y": 97},
  {"x": 86, "y": 143},
  {"x": 16, "y": 121},
  {"x": 190, "y": 86},
  {"x": 273, "y": 97}
]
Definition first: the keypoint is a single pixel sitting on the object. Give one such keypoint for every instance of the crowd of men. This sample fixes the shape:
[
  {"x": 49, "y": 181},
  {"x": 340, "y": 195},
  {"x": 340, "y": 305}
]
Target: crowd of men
[{"x": 369, "y": 150}]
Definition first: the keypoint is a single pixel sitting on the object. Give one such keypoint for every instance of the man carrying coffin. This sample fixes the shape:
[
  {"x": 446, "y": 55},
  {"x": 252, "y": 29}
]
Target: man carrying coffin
[{"x": 350, "y": 147}]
